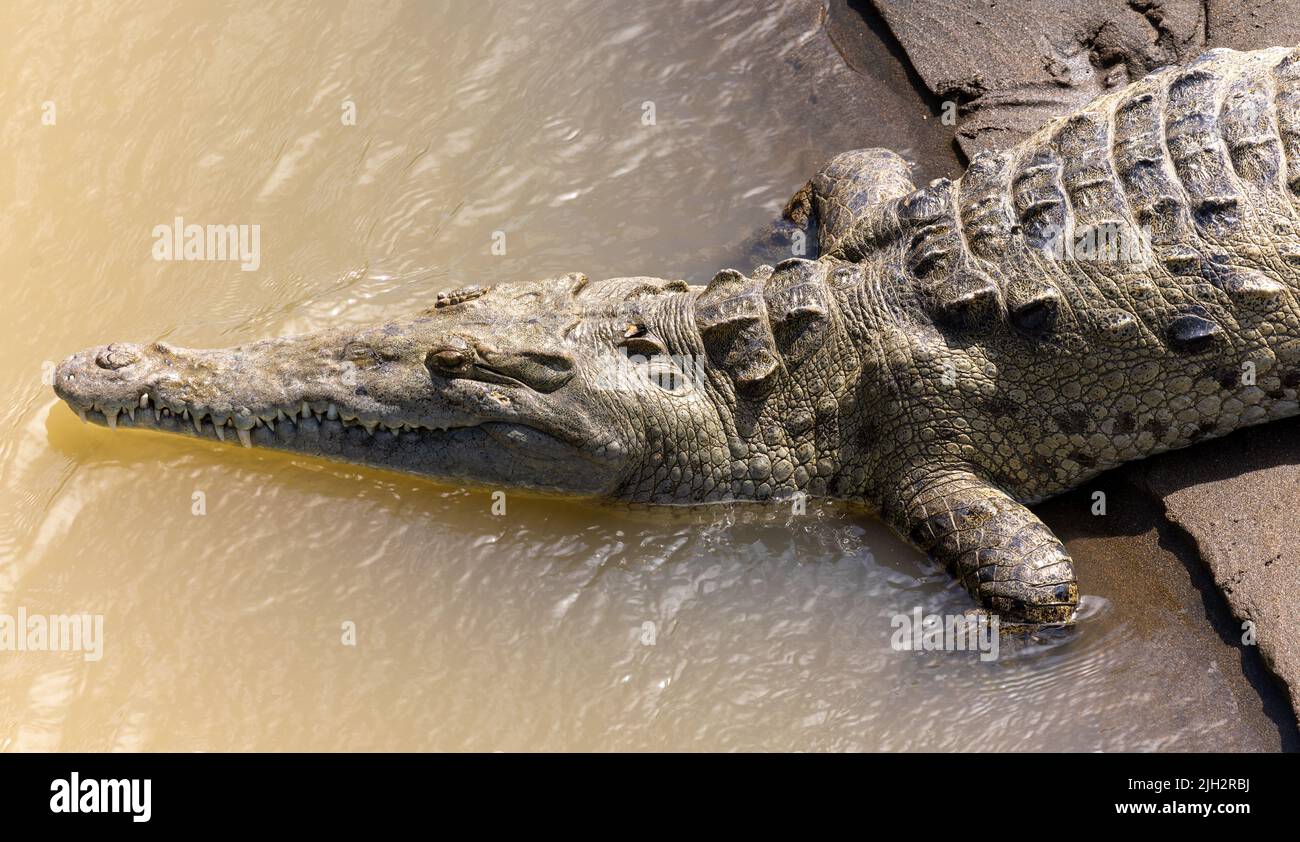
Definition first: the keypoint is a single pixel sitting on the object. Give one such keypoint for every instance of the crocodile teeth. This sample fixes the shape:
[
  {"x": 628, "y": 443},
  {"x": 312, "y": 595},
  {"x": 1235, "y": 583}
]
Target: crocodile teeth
[
  {"x": 306, "y": 410},
  {"x": 81, "y": 413},
  {"x": 157, "y": 414},
  {"x": 130, "y": 410},
  {"x": 110, "y": 415},
  {"x": 270, "y": 424},
  {"x": 220, "y": 428},
  {"x": 198, "y": 424},
  {"x": 245, "y": 438},
  {"x": 332, "y": 412},
  {"x": 144, "y": 401}
]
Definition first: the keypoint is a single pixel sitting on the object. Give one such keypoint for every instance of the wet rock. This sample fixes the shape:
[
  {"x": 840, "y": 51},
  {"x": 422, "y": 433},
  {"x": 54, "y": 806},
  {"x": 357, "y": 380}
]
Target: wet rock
[
  {"x": 1009, "y": 67},
  {"x": 845, "y": 85},
  {"x": 1236, "y": 500},
  {"x": 1250, "y": 26},
  {"x": 1151, "y": 582}
]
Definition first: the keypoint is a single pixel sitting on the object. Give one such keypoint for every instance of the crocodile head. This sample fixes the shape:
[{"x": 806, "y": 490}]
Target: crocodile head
[{"x": 553, "y": 385}]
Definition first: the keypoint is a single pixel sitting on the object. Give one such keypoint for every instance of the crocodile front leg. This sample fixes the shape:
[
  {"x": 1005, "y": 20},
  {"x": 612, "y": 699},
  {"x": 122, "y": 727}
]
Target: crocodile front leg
[
  {"x": 848, "y": 188},
  {"x": 1004, "y": 555}
]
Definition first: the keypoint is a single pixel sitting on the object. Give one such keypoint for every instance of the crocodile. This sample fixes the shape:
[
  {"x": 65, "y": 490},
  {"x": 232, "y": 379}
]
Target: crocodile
[{"x": 1122, "y": 283}]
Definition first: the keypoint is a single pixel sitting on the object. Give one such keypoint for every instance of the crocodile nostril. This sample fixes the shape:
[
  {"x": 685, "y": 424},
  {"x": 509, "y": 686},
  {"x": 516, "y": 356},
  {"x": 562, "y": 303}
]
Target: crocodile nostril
[{"x": 116, "y": 356}]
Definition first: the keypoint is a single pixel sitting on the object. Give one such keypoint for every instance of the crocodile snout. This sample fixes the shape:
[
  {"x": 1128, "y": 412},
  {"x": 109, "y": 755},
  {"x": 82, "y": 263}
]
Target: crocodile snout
[{"x": 108, "y": 376}]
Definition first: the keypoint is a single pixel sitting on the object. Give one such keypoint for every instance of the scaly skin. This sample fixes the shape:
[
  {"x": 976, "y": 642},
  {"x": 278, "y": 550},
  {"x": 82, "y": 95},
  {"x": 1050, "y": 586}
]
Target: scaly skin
[{"x": 943, "y": 361}]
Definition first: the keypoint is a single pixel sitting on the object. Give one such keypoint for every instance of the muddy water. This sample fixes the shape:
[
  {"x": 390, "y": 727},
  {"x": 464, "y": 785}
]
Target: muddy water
[{"x": 381, "y": 148}]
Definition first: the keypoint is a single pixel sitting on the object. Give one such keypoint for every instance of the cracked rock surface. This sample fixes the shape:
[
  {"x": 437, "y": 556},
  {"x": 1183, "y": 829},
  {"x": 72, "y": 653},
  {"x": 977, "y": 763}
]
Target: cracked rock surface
[
  {"x": 1009, "y": 67},
  {"x": 1237, "y": 501}
]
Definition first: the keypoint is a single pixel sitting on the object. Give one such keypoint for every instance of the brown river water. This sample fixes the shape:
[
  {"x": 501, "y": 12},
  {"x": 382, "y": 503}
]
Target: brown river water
[{"x": 380, "y": 148}]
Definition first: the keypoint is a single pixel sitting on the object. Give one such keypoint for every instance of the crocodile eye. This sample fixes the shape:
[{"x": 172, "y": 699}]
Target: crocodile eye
[
  {"x": 451, "y": 357},
  {"x": 360, "y": 354},
  {"x": 446, "y": 359}
]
